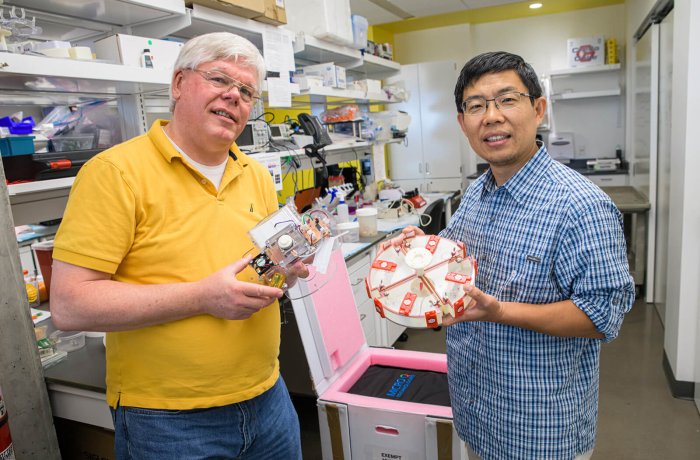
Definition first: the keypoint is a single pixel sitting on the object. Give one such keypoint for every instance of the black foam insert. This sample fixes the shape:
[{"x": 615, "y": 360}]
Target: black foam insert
[{"x": 402, "y": 384}]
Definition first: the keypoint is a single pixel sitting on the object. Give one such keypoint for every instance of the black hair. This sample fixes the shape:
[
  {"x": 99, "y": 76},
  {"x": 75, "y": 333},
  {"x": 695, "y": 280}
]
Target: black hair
[{"x": 494, "y": 62}]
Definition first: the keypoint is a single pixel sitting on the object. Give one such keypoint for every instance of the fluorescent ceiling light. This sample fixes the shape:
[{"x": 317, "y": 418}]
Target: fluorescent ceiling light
[{"x": 534, "y": 6}]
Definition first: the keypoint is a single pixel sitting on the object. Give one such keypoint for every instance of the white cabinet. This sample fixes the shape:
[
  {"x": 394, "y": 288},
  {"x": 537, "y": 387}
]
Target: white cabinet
[
  {"x": 379, "y": 332},
  {"x": 609, "y": 180},
  {"x": 587, "y": 102},
  {"x": 430, "y": 157},
  {"x": 358, "y": 269}
]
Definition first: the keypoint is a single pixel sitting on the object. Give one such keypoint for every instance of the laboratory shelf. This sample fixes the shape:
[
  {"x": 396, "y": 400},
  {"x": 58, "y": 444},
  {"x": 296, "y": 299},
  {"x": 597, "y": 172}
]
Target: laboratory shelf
[
  {"x": 583, "y": 70},
  {"x": 76, "y": 21},
  {"x": 585, "y": 94},
  {"x": 330, "y": 95},
  {"x": 312, "y": 50},
  {"x": 19, "y": 72},
  {"x": 37, "y": 201},
  {"x": 204, "y": 20},
  {"x": 376, "y": 67}
]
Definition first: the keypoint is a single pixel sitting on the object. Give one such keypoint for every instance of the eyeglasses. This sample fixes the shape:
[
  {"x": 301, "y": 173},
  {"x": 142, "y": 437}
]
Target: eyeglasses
[
  {"x": 225, "y": 83},
  {"x": 478, "y": 105}
]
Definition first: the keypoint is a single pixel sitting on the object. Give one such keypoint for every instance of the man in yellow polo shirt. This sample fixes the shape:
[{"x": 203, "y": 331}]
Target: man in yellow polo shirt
[{"x": 153, "y": 248}]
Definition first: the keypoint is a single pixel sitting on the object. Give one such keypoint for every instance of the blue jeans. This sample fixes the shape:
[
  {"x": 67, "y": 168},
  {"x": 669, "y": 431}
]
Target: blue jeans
[{"x": 265, "y": 427}]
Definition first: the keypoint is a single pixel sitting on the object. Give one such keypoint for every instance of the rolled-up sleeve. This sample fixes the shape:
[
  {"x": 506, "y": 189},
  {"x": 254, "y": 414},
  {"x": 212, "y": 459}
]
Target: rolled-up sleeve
[{"x": 592, "y": 265}]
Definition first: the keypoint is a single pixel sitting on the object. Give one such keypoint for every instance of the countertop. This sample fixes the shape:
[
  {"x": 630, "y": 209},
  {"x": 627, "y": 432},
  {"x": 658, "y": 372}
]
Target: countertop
[
  {"x": 580, "y": 167},
  {"x": 628, "y": 199}
]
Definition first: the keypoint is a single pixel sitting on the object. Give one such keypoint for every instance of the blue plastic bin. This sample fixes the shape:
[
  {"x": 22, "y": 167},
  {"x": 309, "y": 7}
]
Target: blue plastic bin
[{"x": 16, "y": 145}]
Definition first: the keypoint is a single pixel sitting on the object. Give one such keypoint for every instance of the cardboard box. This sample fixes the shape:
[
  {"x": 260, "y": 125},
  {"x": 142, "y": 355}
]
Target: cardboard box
[
  {"x": 128, "y": 50},
  {"x": 587, "y": 51},
  {"x": 275, "y": 13},
  {"x": 353, "y": 425},
  {"x": 81, "y": 441},
  {"x": 333, "y": 75},
  {"x": 243, "y": 8}
]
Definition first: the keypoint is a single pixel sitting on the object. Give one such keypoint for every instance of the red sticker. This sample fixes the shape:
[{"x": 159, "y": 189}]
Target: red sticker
[
  {"x": 384, "y": 265},
  {"x": 407, "y": 303}
]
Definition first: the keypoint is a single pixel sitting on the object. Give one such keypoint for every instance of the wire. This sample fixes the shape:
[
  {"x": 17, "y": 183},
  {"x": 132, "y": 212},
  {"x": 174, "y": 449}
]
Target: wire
[{"x": 262, "y": 117}]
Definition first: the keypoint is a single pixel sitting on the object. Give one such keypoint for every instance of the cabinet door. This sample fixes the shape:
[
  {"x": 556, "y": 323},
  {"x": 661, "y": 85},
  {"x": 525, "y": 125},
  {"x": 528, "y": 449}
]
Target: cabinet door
[
  {"x": 441, "y": 134},
  {"x": 406, "y": 158}
]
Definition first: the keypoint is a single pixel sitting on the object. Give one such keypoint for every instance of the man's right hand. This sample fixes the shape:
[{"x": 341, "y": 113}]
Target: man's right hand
[
  {"x": 229, "y": 298},
  {"x": 407, "y": 232}
]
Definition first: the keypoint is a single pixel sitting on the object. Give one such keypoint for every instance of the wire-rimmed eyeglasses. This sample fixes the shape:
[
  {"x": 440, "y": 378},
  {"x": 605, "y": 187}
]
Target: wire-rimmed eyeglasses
[
  {"x": 478, "y": 105},
  {"x": 225, "y": 83}
]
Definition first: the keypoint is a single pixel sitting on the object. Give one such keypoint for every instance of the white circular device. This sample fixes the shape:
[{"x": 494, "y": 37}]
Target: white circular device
[
  {"x": 285, "y": 242},
  {"x": 415, "y": 284}
]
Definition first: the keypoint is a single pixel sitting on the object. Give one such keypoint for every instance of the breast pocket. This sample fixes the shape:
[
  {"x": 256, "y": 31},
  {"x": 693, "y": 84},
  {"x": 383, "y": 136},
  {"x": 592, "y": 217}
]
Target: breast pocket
[{"x": 535, "y": 281}]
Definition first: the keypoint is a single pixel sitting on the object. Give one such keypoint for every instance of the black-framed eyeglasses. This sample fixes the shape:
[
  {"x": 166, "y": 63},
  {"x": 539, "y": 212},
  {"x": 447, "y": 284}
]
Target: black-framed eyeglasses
[
  {"x": 478, "y": 105},
  {"x": 225, "y": 83}
]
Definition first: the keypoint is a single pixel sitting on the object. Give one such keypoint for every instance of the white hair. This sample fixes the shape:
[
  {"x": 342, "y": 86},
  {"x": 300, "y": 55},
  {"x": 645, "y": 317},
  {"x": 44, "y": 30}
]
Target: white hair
[{"x": 219, "y": 46}]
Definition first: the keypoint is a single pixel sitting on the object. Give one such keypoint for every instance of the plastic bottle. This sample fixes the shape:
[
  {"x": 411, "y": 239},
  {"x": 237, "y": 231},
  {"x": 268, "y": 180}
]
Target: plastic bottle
[
  {"x": 147, "y": 58},
  {"x": 32, "y": 287},
  {"x": 342, "y": 209},
  {"x": 6, "y": 449}
]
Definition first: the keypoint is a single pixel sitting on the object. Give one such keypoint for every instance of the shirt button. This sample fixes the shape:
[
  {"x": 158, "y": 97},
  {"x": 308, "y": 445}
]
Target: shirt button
[{"x": 471, "y": 401}]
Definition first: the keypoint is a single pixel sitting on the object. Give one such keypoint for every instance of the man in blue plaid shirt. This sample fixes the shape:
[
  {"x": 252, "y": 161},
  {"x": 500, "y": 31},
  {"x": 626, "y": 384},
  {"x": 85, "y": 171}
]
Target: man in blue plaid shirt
[{"x": 553, "y": 280}]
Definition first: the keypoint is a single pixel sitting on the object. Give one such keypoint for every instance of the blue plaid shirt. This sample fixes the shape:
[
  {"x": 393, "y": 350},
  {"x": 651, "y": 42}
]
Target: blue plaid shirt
[{"x": 546, "y": 235}]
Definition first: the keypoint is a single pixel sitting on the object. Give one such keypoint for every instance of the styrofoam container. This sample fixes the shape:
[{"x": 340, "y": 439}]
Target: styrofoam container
[
  {"x": 80, "y": 52},
  {"x": 56, "y": 52},
  {"x": 352, "y": 425}
]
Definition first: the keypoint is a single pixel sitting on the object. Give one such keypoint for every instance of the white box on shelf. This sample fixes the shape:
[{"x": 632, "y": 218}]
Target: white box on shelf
[
  {"x": 128, "y": 50},
  {"x": 588, "y": 51},
  {"x": 368, "y": 85},
  {"x": 333, "y": 75},
  {"x": 325, "y": 19},
  {"x": 307, "y": 82},
  {"x": 351, "y": 424}
]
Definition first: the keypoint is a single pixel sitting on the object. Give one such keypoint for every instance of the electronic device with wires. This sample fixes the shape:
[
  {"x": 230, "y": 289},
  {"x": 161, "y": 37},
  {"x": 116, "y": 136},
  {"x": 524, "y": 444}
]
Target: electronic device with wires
[
  {"x": 254, "y": 138},
  {"x": 283, "y": 238},
  {"x": 280, "y": 132}
]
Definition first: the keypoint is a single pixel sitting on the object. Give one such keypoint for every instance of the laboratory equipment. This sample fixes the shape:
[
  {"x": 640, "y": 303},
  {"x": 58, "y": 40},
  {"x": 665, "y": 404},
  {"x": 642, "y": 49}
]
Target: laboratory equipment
[{"x": 418, "y": 282}]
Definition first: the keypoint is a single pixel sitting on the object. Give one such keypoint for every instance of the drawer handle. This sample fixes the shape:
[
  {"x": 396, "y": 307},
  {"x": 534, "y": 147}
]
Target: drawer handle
[
  {"x": 359, "y": 280},
  {"x": 362, "y": 316}
]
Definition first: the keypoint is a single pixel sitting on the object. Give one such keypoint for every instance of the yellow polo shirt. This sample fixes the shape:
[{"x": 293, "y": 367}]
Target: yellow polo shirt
[{"x": 139, "y": 212}]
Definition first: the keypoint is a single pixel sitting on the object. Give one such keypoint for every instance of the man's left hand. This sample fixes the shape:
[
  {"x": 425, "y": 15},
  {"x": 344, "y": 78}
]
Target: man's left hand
[
  {"x": 482, "y": 307},
  {"x": 295, "y": 271}
]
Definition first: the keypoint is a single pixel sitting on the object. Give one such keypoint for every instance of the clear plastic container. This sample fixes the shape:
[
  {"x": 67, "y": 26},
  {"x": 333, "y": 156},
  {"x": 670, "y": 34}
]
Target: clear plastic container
[
  {"x": 68, "y": 340},
  {"x": 367, "y": 218},
  {"x": 73, "y": 142},
  {"x": 352, "y": 229}
]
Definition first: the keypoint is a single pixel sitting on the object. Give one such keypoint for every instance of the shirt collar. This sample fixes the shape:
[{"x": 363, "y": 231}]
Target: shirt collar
[
  {"x": 525, "y": 179},
  {"x": 168, "y": 150}
]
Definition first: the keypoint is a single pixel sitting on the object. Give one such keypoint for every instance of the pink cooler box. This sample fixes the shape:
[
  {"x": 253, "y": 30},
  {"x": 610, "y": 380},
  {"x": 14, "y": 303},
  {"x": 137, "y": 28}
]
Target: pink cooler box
[{"x": 353, "y": 426}]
